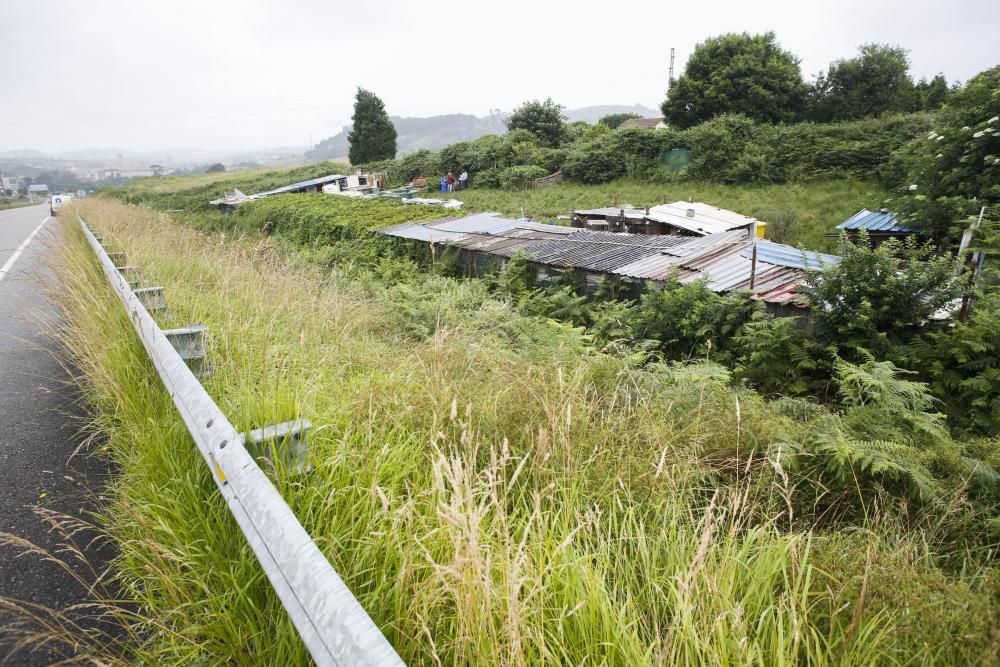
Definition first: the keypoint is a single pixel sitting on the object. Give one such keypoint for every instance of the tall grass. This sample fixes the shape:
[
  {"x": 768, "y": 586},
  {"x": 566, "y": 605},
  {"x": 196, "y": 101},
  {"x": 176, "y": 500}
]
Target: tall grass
[{"x": 491, "y": 490}]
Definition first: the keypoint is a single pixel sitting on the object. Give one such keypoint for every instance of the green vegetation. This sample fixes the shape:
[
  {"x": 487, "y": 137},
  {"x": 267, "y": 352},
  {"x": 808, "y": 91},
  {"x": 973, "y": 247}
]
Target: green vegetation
[
  {"x": 523, "y": 472},
  {"x": 946, "y": 176},
  {"x": 543, "y": 120},
  {"x": 498, "y": 487},
  {"x": 615, "y": 119},
  {"x": 727, "y": 149},
  {"x": 873, "y": 83},
  {"x": 372, "y": 136},
  {"x": 11, "y": 202},
  {"x": 737, "y": 74},
  {"x": 192, "y": 193}
]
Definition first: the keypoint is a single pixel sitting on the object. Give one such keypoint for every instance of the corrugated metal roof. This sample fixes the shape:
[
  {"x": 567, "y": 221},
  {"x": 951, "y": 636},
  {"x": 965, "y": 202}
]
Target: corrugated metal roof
[
  {"x": 631, "y": 212},
  {"x": 723, "y": 260},
  {"x": 880, "y": 222},
  {"x": 705, "y": 219},
  {"x": 783, "y": 255},
  {"x": 301, "y": 185}
]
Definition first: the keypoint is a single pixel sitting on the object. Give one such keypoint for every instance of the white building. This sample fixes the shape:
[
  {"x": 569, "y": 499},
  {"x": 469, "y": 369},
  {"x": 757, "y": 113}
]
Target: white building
[{"x": 8, "y": 183}]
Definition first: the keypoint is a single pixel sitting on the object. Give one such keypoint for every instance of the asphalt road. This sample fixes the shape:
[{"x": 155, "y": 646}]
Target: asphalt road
[{"x": 38, "y": 428}]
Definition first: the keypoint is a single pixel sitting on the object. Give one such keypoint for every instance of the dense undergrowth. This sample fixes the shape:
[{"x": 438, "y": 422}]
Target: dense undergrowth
[{"x": 497, "y": 487}]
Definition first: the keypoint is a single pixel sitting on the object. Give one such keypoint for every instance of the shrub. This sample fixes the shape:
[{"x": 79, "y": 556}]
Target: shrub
[
  {"x": 777, "y": 356},
  {"x": 520, "y": 177},
  {"x": 718, "y": 145},
  {"x": 689, "y": 320},
  {"x": 595, "y": 160},
  {"x": 874, "y": 296}
]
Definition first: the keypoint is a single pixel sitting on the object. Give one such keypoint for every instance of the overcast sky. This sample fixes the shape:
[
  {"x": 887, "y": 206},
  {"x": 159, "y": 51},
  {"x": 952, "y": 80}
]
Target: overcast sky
[{"x": 251, "y": 73}]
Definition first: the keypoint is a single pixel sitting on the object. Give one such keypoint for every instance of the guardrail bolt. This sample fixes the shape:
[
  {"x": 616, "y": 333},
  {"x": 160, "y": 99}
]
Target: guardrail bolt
[
  {"x": 190, "y": 344},
  {"x": 288, "y": 442},
  {"x": 152, "y": 298}
]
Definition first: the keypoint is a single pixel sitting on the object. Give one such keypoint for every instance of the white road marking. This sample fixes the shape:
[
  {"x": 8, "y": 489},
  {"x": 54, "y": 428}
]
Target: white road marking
[{"x": 5, "y": 269}]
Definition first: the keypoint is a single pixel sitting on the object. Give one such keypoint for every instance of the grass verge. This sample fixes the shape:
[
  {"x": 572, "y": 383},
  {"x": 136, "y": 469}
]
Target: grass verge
[{"x": 493, "y": 491}]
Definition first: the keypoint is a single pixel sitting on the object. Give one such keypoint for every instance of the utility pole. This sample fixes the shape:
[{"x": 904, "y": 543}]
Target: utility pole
[{"x": 670, "y": 72}]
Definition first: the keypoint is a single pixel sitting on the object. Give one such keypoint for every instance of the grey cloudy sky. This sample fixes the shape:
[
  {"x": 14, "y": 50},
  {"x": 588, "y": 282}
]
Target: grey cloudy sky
[{"x": 244, "y": 74}]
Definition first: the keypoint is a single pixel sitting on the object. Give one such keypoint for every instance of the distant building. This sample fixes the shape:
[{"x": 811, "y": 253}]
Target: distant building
[
  {"x": 38, "y": 189},
  {"x": 8, "y": 183},
  {"x": 644, "y": 123}
]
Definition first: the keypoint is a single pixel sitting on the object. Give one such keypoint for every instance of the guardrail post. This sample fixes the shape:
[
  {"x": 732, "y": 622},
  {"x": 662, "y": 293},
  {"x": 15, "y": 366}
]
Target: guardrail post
[
  {"x": 287, "y": 442},
  {"x": 132, "y": 275},
  {"x": 190, "y": 344},
  {"x": 152, "y": 298}
]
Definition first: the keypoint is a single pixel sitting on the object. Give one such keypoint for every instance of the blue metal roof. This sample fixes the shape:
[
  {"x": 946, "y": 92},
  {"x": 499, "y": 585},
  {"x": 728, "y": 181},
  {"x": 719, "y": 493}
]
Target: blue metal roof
[
  {"x": 881, "y": 222},
  {"x": 783, "y": 255}
]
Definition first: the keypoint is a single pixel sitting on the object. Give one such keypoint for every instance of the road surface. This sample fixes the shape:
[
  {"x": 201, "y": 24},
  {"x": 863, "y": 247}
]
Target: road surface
[{"x": 38, "y": 429}]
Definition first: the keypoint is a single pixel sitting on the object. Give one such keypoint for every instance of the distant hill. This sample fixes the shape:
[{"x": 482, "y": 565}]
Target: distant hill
[
  {"x": 432, "y": 133},
  {"x": 594, "y": 114},
  {"x": 436, "y": 132},
  {"x": 22, "y": 153}
]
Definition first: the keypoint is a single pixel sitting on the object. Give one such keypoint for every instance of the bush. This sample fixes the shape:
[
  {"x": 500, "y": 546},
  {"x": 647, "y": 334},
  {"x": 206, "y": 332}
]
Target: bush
[
  {"x": 777, "y": 357},
  {"x": 690, "y": 320},
  {"x": 520, "y": 177},
  {"x": 597, "y": 160},
  {"x": 487, "y": 178},
  {"x": 718, "y": 145},
  {"x": 874, "y": 296}
]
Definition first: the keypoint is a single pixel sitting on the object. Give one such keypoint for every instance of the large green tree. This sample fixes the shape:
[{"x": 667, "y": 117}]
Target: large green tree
[
  {"x": 874, "y": 82},
  {"x": 737, "y": 73},
  {"x": 545, "y": 120},
  {"x": 372, "y": 136},
  {"x": 949, "y": 174}
]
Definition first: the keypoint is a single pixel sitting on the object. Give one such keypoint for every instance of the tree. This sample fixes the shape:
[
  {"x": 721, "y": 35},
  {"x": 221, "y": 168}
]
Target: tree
[
  {"x": 373, "y": 136},
  {"x": 874, "y": 82},
  {"x": 613, "y": 120},
  {"x": 216, "y": 168},
  {"x": 157, "y": 169},
  {"x": 931, "y": 95},
  {"x": 874, "y": 296},
  {"x": 953, "y": 171},
  {"x": 545, "y": 120},
  {"x": 737, "y": 73}
]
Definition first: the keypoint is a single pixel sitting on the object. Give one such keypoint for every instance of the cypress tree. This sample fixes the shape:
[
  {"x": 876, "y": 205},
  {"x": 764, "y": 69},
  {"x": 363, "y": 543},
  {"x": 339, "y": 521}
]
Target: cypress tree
[{"x": 373, "y": 136}]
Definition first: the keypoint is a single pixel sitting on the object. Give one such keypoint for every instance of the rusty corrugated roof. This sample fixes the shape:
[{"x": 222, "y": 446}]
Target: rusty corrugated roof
[{"x": 723, "y": 260}]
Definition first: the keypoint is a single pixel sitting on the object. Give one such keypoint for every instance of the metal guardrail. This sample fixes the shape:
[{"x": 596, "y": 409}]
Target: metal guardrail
[{"x": 332, "y": 624}]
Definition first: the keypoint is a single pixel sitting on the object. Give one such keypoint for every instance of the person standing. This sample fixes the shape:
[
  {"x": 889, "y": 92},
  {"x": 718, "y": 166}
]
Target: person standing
[
  {"x": 450, "y": 178},
  {"x": 463, "y": 180}
]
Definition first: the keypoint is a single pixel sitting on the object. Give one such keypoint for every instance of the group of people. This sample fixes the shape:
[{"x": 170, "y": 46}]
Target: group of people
[{"x": 449, "y": 183}]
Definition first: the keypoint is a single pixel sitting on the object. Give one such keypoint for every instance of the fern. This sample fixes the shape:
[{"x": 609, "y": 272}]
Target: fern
[{"x": 847, "y": 464}]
